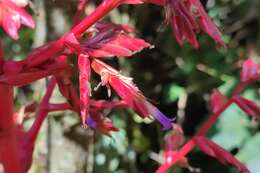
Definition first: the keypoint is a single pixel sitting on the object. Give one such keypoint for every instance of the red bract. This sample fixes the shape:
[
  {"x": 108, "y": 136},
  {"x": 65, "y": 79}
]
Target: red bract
[
  {"x": 72, "y": 43},
  {"x": 250, "y": 107},
  {"x": 66, "y": 88},
  {"x": 172, "y": 142},
  {"x": 84, "y": 86},
  {"x": 217, "y": 100},
  {"x": 214, "y": 150},
  {"x": 12, "y": 15},
  {"x": 175, "y": 138},
  {"x": 97, "y": 121},
  {"x": 188, "y": 17},
  {"x": 126, "y": 89},
  {"x": 44, "y": 53},
  {"x": 112, "y": 40},
  {"x": 18, "y": 74},
  {"x": 250, "y": 71},
  {"x": 100, "y": 123}
]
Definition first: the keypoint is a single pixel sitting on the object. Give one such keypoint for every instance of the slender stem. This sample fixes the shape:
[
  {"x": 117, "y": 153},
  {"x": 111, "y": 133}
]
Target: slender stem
[
  {"x": 212, "y": 119},
  {"x": 80, "y": 10},
  {"x": 105, "y": 7},
  {"x": 41, "y": 113},
  {"x": 8, "y": 144},
  {"x": 52, "y": 107}
]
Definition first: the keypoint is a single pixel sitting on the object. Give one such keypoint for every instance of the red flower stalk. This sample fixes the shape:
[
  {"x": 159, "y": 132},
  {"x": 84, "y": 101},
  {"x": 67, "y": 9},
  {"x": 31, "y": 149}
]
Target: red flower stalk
[
  {"x": 80, "y": 11},
  {"x": 105, "y": 7},
  {"x": 8, "y": 143},
  {"x": 100, "y": 123},
  {"x": 12, "y": 15},
  {"x": 219, "y": 104},
  {"x": 126, "y": 89}
]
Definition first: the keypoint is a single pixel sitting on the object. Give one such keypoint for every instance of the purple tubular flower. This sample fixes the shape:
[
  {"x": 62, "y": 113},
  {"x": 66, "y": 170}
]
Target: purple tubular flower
[
  {"x": 129, "y": 92},
  {"x": 91, "y": 122},
  {"x": 96, "y": 120},
  {"x": 160, "y": 117}
]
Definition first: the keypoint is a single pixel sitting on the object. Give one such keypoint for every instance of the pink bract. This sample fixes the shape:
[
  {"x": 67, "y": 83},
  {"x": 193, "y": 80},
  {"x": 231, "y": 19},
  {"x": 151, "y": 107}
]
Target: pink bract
[
  {"x": 12, "y": 15},
  {"x": 187, "y": 18}
]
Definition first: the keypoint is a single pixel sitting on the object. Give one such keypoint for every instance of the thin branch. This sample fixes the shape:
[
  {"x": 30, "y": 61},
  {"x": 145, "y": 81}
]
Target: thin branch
[
  {"x": 59, "y": 107},
  {"x": 201, "y": 132},
  {"x": 80, "y": 11},
  {"x": 104, "y": 8},
  {"x": 42, "y": 112}
]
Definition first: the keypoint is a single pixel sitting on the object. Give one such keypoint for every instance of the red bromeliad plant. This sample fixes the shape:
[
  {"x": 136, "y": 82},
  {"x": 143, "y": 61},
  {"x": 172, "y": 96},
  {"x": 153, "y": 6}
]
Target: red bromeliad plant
[{"x": 91, "y": 41}]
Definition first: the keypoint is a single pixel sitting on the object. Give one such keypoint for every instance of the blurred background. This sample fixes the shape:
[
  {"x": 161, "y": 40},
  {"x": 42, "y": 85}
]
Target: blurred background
[{"x": 178, "y": 79}]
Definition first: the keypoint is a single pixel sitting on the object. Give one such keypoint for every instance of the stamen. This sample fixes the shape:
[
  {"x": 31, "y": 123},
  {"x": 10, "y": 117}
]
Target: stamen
[
  {"x": 89, "y": 87},
  {"x": 104, "y": 74},
  {"x": 108, "y": 90},
  {"x": 98, "y": 86}
]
